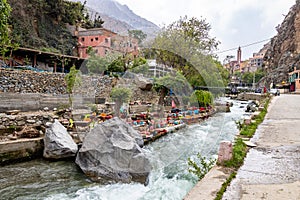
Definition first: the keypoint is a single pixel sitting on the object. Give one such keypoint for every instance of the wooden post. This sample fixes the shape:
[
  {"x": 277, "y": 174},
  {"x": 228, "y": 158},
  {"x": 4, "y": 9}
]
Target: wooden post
[
  {"x": 34, "y": 60},
  {"x": 63, "y": 65},
  {"x": 55, "y": 66}
]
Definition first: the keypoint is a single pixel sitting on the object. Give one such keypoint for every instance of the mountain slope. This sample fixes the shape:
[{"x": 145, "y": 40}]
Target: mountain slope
[
  {"x": 113, "y": 9},
  {"x": 111, "y": 23}
]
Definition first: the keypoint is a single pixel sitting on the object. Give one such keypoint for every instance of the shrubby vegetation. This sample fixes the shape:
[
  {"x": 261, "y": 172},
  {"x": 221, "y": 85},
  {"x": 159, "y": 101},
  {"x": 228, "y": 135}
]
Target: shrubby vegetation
[
  {"x": 116, "y": 62},
  {"x": 120, "y": 95},
  {"x": 201, "y": 166},
  {"x": 201, "y": 98},
  {"x": 41, "y": 24},
  {"x": 248, "y": 77},
  {"x": 97, "y": 64},
  {"x": 72, "y": 79},
  {"x": 5, "y": 39}
]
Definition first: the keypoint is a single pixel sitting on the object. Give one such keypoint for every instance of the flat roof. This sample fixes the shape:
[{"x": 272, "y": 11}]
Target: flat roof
[{"x": 49, "y": 53}]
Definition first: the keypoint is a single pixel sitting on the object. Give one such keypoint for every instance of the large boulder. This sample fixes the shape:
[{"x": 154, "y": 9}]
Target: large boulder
[
  {"x": 58, "y": 143},
  {"x": 143, "y": 83},
  {"x": 110, "y": 152}
]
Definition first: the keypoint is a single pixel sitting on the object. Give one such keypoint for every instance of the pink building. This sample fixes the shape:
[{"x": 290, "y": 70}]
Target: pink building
[
  {"x": 103, "y": 41},
  {"x": 99, "y": 39}
]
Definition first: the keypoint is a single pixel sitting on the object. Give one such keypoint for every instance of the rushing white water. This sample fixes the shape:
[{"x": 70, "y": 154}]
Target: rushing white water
[{"x": 169, "y": 178}]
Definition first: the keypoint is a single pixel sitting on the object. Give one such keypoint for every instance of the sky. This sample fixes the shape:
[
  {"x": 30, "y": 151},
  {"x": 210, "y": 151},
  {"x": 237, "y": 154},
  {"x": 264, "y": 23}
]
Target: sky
[{"x": 233, "y": 22}]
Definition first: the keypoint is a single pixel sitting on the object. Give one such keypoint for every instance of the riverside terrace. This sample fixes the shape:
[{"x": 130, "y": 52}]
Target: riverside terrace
[
  {"x": 23, "y": 129},
  {"x": 151, "y": 125}
]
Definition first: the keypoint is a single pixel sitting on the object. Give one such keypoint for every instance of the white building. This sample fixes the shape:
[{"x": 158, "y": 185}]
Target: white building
[{"x": 159, "y": 70}]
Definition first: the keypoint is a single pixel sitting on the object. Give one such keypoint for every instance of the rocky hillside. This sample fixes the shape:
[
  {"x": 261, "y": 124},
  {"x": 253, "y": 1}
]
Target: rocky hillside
[
  {"x": 120, "y": 13},
  {"x": 111, "y": 23},
  {"x": 283, "y": 53},
  {"x": 43, "y": 24}
]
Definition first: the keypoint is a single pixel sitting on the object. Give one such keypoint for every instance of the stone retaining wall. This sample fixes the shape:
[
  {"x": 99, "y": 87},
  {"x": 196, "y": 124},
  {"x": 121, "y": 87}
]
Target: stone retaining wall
[
  {"x": 251, "y": 96},
  {"x": 30, "y": 91},
  {"x": 14, "y": 121},
  {"x": 17, "y": 81},
  {"x": 35, "y": 101}
]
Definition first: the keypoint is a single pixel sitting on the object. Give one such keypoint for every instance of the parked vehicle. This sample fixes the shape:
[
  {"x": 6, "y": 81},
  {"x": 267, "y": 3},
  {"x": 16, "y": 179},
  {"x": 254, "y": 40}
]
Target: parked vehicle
[
  {"x": 275, "y": 92},
  {"x": 258, "y": 90}
]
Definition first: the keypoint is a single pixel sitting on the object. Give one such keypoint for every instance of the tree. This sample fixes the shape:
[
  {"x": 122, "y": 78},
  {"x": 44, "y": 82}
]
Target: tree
[
  {"x": 126, "y": 62},
  {"x": 72, "y": 79},
  {"x": 120, "y": 95},
  {"x": 39, "y": 16},
  {"x": 98, "y": 22},
  {"x": 186, "y": 45},
  {"x": 248, "y": 77},
  {"x": 177, "y": 83},
  {"x": 141, "y": 69},
  {"x": 223, "y": 72},
  {"x": 5, "y": 40},
  {"x": 97, "y": 64},
  {"x": 201, "y": 98},
  {"x": 137, "y": 34},
  {"x": 187, "y": 37}
]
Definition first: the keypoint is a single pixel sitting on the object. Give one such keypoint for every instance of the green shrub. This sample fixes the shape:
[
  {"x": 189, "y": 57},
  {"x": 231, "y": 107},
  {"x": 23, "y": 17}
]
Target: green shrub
[
  {"x": 239, "y": 153},
  {"x": 203, "y": 168}
]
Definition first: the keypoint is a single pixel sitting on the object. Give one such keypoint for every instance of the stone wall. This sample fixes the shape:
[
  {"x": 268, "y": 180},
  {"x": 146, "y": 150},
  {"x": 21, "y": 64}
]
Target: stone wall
[
  {"x": 17, "y": 81},
  {"x": 251, "y": 96},
  {"x": 38, "y": 90},
  {"x": 34, "y": 119},
  {"x": 35, "y": 101},
  {"x": 94, "y": 86}
]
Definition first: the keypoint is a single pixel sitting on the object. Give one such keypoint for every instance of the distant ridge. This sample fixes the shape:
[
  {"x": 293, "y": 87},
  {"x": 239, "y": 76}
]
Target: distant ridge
[{"x": 120, "y": 18}]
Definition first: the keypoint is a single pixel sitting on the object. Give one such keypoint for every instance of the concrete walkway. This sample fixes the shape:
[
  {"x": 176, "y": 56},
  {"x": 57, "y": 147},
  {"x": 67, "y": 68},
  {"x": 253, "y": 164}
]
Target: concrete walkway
[
  {"x": 207, "y": 188},
  {"x": 272, "y": 169}
]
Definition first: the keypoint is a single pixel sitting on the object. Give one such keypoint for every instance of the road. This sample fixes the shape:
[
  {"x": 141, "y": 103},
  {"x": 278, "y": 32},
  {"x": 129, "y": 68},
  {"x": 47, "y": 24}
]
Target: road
[{"x": 271, "y": 170}]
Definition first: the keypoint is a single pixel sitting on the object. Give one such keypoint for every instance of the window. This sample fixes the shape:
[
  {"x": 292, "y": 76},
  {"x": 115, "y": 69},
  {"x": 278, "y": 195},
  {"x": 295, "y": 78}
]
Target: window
[
  {"x": 92, "y": 40},
  {"x": 96, "y": 38},
  {"x": 106, "y": 40},
  {"x": 82, "y": 39},
  {"x": 96, "y": 50}
]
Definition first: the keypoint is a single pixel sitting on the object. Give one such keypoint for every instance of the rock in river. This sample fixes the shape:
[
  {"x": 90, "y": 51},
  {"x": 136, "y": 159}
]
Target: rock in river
[
  {"x": 58, "y": 142},
  {"x": 110, "y": 152}
]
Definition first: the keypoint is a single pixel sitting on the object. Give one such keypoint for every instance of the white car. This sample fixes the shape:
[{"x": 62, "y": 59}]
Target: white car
[{"x": 275, "y": 92}]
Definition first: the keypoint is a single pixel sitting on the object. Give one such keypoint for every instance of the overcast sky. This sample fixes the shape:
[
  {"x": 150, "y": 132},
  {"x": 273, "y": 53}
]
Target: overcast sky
[{"x": 234, "y": 22}]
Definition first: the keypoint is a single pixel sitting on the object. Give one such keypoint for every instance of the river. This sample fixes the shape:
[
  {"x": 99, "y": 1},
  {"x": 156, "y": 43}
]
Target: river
[{"x": 169, "y": 179}]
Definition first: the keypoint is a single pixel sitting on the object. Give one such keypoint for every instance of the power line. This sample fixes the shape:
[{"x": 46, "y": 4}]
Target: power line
[{"x": 244, "y": 46}]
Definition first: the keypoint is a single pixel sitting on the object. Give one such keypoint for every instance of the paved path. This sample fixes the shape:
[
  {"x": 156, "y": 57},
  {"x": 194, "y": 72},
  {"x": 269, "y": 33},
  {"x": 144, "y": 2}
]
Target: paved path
[{"x": 272, "y": 170}]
